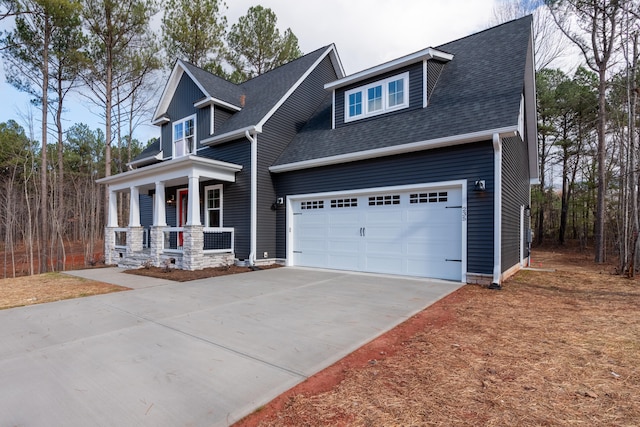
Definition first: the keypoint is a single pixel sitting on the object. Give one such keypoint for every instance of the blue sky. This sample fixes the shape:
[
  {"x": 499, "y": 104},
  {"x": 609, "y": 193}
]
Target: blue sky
[{"x": 366, "y": 33}]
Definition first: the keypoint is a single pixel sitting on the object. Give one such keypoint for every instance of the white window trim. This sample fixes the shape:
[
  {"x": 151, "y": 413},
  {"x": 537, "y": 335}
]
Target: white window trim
[
  {"x": 385, "y": 98},
  {"x": 206, "y": 204},
  {"x": 195, "y": 135}
]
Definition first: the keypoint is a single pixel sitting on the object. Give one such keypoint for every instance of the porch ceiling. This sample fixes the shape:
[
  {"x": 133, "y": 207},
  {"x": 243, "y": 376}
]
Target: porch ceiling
[{"x": 173, "y": 172}]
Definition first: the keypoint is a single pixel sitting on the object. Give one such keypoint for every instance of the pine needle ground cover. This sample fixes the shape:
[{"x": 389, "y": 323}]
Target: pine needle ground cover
[{"x": 557, "y": 346}]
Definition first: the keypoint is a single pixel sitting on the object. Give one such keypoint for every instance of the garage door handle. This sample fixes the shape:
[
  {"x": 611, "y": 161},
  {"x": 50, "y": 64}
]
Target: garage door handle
[{"x": 362, "y": 231}]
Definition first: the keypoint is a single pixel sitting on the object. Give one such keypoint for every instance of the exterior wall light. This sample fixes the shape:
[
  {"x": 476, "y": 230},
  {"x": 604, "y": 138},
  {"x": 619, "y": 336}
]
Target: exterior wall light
[{"x": 479, "y": 185}]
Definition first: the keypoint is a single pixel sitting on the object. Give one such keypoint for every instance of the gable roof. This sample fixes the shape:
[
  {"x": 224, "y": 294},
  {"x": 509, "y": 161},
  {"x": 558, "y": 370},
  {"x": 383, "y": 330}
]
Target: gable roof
[
  {"x": 253, "y": 100},
  {"x": 265, "y": 93},
  {"x": 479, "y": 92}
]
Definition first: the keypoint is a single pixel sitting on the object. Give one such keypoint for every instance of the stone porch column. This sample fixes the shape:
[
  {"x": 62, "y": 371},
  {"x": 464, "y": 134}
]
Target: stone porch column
[
  {"x": 109, "y": 230},
  {"x": 109, "y": 246},
  {"x": 157, "y": 245},
  {"x": 135, "y": 230},
  {"x": 193, "y": 249}
]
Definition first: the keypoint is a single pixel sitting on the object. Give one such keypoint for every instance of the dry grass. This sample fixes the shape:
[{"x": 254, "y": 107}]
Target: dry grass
[
  {"x": 48, "y": 287},
  {"x": 551, "y": 349}
]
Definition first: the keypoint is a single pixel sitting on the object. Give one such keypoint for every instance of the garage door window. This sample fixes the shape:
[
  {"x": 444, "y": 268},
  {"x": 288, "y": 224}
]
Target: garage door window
[
  {"x": 312, "y": 204},
  {"x": 431, "y": 197},
  {"x": 344, "y": 203},
  {"x": 384, "y": 200}
]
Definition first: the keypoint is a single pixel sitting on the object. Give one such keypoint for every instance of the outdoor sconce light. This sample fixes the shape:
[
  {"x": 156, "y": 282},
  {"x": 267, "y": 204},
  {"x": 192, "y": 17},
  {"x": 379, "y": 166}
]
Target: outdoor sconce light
[
  {"x": 479, "y": 185},
  {"x": 279, "y": 202},
  {"x": 171, "y": 199}
]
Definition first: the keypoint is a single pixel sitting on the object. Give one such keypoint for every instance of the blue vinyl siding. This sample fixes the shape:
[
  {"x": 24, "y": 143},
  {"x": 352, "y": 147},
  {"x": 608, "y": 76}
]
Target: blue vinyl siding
[
  {"x": 278, "y": 131},
  {"x": 181, "y": 106},
  {"x": 515, "y": 194},
  {"x": 415, "y": 92},
  {"x": 470, "y": 162}
]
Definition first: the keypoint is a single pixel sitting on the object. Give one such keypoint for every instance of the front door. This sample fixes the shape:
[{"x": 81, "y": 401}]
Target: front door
[{"x": 183, "y": 198}]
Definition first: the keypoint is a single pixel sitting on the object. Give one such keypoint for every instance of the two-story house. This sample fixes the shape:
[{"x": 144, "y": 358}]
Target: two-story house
[{"x": 420, "y": 166}]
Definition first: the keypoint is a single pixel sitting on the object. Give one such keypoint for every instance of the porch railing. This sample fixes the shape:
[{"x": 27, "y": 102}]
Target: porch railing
[
  {"x": 215, "y": 240},
  {"x": 121, "y": 237},
  {"x": 173, "y": 239},
  {"x": 219, "y": 239}
]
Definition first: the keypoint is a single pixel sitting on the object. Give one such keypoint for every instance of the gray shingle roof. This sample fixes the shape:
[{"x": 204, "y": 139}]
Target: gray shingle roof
[
  {"x": 479, "y": 90},
  {"x": 216, "y": 86},
  {"x": 263, "y": 92}
]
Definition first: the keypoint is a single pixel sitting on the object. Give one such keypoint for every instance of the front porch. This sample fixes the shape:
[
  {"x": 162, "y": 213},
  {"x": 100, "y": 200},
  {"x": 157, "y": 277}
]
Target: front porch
[{"x": 193, "y": 238}]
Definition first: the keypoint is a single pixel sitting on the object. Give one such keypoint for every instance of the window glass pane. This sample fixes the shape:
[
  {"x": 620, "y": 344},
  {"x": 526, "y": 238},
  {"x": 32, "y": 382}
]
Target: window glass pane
[
  {"x": 355, "y": 104},
  {"x": 374, "y": 98},
  {"x": 177, "y": 131},
  {"x": 214, "y": 218},
  {"x": 188, "y": 127},
  {"x": 396, "y": 93}
]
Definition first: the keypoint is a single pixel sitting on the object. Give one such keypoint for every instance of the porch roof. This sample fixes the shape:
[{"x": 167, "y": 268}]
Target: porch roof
[{"x": 173, "y": 172}]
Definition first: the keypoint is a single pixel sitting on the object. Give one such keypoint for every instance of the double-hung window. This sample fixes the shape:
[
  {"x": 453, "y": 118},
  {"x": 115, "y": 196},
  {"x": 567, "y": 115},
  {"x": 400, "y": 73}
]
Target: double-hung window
[
  {"x": 376, "y": 98},
  {"x": 213, "y": 206},
  {"x": 184, "y": 136}
]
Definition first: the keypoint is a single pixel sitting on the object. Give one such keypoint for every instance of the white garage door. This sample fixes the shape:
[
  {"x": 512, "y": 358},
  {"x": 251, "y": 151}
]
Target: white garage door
[{"x": 414, "y": 233}]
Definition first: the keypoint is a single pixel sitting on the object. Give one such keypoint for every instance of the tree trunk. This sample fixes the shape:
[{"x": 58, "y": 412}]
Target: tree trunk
[
  {"x": 44, "y": 224},
  {"x": 602, "y": 177}
]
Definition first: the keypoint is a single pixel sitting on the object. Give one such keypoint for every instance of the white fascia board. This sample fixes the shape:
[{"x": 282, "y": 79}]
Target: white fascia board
[
  {"x": 173, "y": 169},
  {"x": 160, "y": 121},
  {"x": 211, "y": 100},
  {"x": 230, "y": 136},
  {"x": 294, "y": 87},
  {"x": 398, "y": 149},
  {"x": 146, "y": 160},
  {"x": 422, "y": 55},
  {"x": 337, "y": 62},
  {"x": 172, "y": 84},
  {"x": 167, "y": 93}
]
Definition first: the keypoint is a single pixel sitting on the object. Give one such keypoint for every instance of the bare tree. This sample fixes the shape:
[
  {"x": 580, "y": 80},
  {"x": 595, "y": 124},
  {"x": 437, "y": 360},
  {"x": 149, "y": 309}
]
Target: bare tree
[{"x": 594, "y": 27}]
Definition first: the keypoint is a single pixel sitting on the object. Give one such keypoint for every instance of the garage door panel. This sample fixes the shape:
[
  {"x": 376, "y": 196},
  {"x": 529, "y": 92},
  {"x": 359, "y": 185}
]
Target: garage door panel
[
  {"x": 344, "y": 261},
  {"x": 407, "y": 232}
]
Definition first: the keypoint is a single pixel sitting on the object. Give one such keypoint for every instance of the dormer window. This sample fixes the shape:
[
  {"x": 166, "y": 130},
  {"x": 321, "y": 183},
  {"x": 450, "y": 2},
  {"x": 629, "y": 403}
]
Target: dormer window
[
  {"x": 377, "y": 98},
  {"x": 184, "y": 137}
]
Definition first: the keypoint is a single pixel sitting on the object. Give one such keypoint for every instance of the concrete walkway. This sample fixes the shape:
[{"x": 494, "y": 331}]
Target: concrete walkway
[{"x": 201, "y": 353}]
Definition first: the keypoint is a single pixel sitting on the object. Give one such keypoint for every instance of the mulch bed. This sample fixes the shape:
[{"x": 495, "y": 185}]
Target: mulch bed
[{"x": 185, "y": 275}]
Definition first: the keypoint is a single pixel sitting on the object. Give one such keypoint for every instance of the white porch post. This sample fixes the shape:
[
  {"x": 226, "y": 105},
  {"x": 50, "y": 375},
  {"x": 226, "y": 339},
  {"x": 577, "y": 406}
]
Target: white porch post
[
  {"x": 193, "y": 210},
  {"x": 113, "y": 209},
  {"x": 134, "y": 207},
  {"x": 159, "y": 211},
  {"x": 134, "y": 231}
]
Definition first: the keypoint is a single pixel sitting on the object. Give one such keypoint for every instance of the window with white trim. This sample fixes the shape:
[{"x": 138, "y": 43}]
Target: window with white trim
[
  {"x": 184, "y": 136},
  {"x": 376, "y": 98},
  {"x": 213, "y": 206}
]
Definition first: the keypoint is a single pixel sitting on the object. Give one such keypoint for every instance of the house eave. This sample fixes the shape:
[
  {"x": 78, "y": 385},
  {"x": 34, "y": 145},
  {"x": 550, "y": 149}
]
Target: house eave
[
  {"x": 421, "y": 55},
  {"x": 230, "y": 136},
  {"x": 215, "y": 101},
  {"x": 172, "y": 170},
  {"x": 485, "y": 135},
  {"x": 146, "y": 160}
]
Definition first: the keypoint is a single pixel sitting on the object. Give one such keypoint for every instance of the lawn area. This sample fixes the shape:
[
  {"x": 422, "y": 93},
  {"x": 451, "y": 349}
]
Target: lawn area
[
  {"x": 552, "y": 348},
  {"x": 48, "y": 287}
]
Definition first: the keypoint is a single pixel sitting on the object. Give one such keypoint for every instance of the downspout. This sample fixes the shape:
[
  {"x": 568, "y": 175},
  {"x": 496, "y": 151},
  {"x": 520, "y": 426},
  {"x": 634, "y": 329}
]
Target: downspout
[
  {"x": 497, "y": 212},
  {"x": 254, "y": 195}
]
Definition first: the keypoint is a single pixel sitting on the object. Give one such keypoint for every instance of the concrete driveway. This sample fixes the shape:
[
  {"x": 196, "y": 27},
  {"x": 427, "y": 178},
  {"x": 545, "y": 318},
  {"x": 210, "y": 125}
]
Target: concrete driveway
[{"x": 202, "y": 353}]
